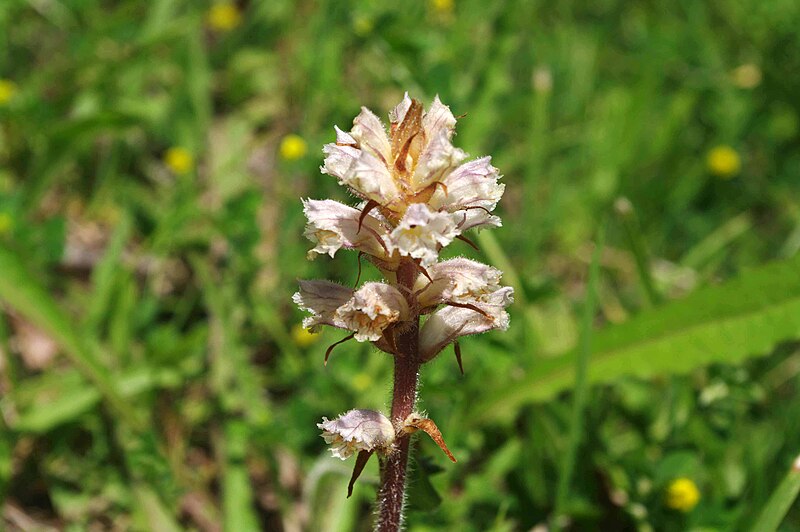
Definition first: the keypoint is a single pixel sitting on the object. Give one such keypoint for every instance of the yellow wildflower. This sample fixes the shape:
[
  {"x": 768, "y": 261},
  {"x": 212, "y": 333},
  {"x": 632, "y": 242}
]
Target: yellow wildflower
[
  {"x": 747, "y": 76},
  {"x": 179, "y": 160},
  {"x": 682, "y": 494},
  {"x": 443, "y": 7},
  {"x": 303, "y": 337},
  {"x": 363, "y": 25},
  {"x": 293, "y": 147},
  {"x": 723, "y": 161},
  {"x": 361, "y": 381},
  {"x": 223, "y": 16},
  {"x": 6, "y": 223},
  {"x": 7, "y": 90}
]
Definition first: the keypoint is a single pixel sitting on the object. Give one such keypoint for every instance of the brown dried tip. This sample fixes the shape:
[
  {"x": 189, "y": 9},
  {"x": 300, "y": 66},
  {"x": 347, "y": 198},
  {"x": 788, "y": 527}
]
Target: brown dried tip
[
  {"x": 413, "y": 422},
  {"x": 457, "y": 349}
]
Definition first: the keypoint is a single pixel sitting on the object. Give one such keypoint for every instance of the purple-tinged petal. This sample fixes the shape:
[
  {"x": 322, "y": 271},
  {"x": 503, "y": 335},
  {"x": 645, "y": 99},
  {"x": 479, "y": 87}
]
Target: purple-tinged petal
[
  {"x": 356, "y": 431},
  {"x": 333, "y": 225},
  {"x": 321, "y": 298},
  {"x": 369, "y": 133},
  {"x": 448, "y": 324}
]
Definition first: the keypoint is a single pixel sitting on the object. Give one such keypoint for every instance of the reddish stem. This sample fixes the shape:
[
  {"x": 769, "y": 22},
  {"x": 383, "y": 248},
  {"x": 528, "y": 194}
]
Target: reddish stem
[{"x": 391, "y": 495}]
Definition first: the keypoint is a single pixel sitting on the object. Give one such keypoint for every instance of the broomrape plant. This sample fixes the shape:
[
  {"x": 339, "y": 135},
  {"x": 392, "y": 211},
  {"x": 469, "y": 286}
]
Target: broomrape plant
[{"x": 417, "y": 196}]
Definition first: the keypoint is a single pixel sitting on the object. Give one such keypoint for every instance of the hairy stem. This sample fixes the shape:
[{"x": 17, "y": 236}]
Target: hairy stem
[{"x": 391, "y": 495}]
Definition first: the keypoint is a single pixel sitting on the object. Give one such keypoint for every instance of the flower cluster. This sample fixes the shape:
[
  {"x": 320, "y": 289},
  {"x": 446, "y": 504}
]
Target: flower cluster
[{"x": 418, "y": 194}]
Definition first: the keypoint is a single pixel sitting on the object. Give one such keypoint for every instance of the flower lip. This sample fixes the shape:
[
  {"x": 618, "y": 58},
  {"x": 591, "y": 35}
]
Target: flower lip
[
  {"x": 322, "y": 299},
  {"x": 449, "y": 323},
  {"x": 333, "y": 225},
  {"x": 358, "y": 430},
  {"x": 373, "y": 308},
  {"x": 422, "y": 232},
  {"x": 460, "y": 280}
]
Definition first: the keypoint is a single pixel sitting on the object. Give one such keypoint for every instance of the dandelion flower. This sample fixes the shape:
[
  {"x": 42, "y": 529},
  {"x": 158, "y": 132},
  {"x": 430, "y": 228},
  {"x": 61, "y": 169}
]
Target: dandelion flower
[
  {"x": 179, "y": 160},
  {"x": 223, "y": 16},
  {"x": 293, "y": 147},
  {"x": 682, "y": 494},
  {"x": 443, "y": 7},
  {"x": 6, "y": 223},
  {"x": 723, "y": 161},
  {"x": 7, "y": 90},
  {"x": 363, "y": 25},
  {"x": 747, "y": 76},
  {"x": 302, "y": 337},
  {"x": 361, "y": 381}
]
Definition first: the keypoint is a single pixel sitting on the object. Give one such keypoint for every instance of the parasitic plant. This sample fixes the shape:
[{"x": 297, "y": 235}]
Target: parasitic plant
[{"x": 417, "y": 196}]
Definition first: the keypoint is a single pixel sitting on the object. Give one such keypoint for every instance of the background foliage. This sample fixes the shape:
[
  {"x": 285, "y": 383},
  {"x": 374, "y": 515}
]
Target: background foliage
[{"x": 152, "y": 376}]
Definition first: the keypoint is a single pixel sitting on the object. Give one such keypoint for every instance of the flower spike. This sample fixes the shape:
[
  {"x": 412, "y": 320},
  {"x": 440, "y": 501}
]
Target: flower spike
[{"x": 417, "y": 194}]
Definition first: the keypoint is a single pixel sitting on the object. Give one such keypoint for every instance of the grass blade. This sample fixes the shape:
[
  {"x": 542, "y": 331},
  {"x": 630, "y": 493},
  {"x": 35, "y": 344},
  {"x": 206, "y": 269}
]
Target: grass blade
[
  {"x": 780, "y": 502},
  {"x": 581, "y": 385}
]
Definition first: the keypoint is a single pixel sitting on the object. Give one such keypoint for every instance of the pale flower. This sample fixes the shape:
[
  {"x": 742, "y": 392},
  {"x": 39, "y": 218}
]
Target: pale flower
[
  {"x": 457, "y": 280},
  {"x": 414, "y": 161},
  {"x": 356, "y": 431},
  {"x": 333, "y": 225},
  {"x": 422, "y": 232},
  {"x": 449, "y": 323},
  {"x": 322, "y": 299},
  {"x": 473, "y": 190},
  {"x": 373, "y": 308},
  {"x": 417, "y": 195}
]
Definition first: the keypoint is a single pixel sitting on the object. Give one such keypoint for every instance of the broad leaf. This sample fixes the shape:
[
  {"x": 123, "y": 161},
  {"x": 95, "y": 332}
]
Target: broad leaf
[{"x": 744, "y": 317}]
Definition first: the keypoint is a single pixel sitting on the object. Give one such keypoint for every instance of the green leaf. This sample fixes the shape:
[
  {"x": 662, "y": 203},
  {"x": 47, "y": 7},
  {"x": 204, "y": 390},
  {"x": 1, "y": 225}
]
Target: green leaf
[
  {"x": 744, "y": 317},
  {"x": 780, "y": 502},
  {"x": 567, "y": 464},
  {"x": 237, "y": 494}
]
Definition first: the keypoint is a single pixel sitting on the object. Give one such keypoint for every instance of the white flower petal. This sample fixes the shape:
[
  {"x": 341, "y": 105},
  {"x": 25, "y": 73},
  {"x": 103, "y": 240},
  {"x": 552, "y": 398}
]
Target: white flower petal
[
  {"x": 438, "y": 118},
  {"x": 438, "y": 158},
  {"x": 343, "y": 138},
  {"x": 339, "y": 160},
  {"x": 340, "y": 156},
  {"x": 446, "y": 325},
  {"x": 356, "y": 431},
  {"x": 369, "y": 133},
  {"x": 473, "y": 189},
  {"x": 460, "y": 280},
  {"x": 333, "y": 225},
  {"x": 321, "y": 298},
  {"x": 371, "y": 179},
  {"x": 421, "y": 233},
  {"x": 397, "y": 114},
  {"x": 372, "y": 309}
]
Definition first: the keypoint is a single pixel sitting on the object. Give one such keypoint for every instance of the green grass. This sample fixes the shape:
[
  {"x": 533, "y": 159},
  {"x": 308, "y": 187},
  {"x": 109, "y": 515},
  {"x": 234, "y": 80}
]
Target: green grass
[{"x": 178, "y": 396}]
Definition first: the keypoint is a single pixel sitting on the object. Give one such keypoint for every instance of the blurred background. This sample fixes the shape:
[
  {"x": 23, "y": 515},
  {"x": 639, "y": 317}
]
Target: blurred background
[{"x": 153, "y": 372}]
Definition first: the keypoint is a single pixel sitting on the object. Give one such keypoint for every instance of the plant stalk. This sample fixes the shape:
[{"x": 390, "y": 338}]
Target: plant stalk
[{"x": 391, "y": 496}]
